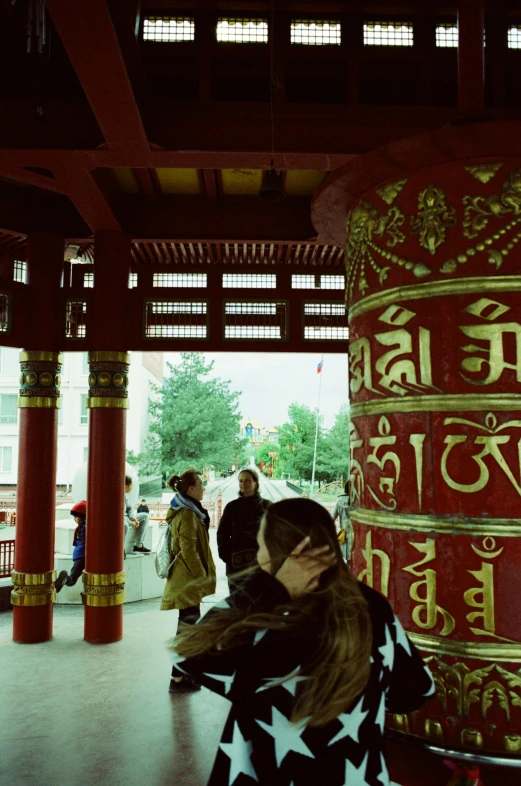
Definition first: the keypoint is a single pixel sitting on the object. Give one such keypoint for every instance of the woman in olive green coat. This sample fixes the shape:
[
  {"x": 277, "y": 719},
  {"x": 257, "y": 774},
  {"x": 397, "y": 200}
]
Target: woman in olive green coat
[{"x": 193, "y": 573}]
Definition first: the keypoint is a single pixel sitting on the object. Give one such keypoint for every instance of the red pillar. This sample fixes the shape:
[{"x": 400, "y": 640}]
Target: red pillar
[
  {"x": 471, "y": 62},
  {"x": 33, "y": 576},
  {"x": 104, "y": 577}
]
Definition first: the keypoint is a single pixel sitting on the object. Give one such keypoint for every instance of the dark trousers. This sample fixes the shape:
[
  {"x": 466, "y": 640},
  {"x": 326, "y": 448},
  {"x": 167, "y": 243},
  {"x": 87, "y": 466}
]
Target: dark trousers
[
  {"x": 76, "y": 571},
  {"x": 188, "y": 616}
]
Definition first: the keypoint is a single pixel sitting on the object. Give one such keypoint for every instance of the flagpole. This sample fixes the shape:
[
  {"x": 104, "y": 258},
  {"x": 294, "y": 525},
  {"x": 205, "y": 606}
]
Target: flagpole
[{"x": 316, "y": 429}]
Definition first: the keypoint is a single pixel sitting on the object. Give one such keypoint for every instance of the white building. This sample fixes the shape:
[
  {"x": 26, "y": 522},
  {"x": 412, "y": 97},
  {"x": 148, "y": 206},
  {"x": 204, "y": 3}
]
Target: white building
[{"x": 146, "y": 369}]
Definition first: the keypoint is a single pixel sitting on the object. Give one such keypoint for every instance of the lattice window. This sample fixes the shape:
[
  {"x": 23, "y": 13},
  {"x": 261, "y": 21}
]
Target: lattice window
[
  {"x": 299, "y": 281},
  {"x": 132, "y": 280},
  {"x": 168, "y": 29},
  {"x": 242, "y": 31},
  {"x": 250, "y": 320},
  {"x": 514, "y": 37},
  {"x": 88, "y": 280},
  {"x": 181, "y": 280},
  {"x": 447, "y": 35},
  {"x": 20, "y": 271},
  {"x": 75, "y": 319},
  {"x": 4, "y": 313},
  {"x": 249, "y": 281},
  {"x": 176, "y": 319},
  {"x": 316, "y": 33},
  {"x": 388, "y": 34},
  {"x": 325, "y": 321}
]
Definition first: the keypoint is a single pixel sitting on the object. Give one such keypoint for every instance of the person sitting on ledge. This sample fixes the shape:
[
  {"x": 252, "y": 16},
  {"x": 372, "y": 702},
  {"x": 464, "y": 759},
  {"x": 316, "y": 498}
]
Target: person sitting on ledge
[
  {"x": 135, "y": 526},
  {"x": 79, "y": 511}
]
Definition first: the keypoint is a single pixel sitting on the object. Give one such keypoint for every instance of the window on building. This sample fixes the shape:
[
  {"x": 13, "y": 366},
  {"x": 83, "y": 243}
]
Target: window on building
[
  {"x": 249, "y": 281},
  {"x": 20, "y": 271},
  {"x": 132, "y": 280},
  {"x": 4, "y": 313},
  {"x": 85, "y": 454},
  {"x": 316, "y": 33},
  {"x": 84, "y": 412},
  {"x": 85, "y": 363},
  {"x": 388, "y": 34},
  {"x": 183, "y": 280},
  {"x": 88, "y": 280},
  {"x": 168, "y": 29},
  {"x": 447, "y": 35},
  {"x": 242, "y": 31},
  {"x": 311, "y": 281},
  {"x": 8, "y": 409},
  {"x": 6, "y": 459},
  {"x": 514, "y": 37}
]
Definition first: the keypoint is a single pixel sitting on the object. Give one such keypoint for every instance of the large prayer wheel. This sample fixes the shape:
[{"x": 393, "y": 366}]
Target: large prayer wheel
[{"x": 433, "y": 273}]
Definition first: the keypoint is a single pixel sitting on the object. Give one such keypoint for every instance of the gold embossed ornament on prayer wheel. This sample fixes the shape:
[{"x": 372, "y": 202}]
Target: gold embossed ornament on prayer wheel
[
  {"x": 433, "y": 276},
  {"x": 108, "y": 379}
]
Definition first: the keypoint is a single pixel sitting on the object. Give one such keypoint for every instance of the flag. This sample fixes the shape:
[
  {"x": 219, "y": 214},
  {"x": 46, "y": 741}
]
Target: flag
[{"x": 319, "y": 367}]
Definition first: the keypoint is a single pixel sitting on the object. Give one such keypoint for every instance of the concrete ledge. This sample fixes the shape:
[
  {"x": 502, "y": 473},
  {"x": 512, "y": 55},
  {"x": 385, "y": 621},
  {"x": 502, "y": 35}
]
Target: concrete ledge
[{"x": 142, "y": 580}]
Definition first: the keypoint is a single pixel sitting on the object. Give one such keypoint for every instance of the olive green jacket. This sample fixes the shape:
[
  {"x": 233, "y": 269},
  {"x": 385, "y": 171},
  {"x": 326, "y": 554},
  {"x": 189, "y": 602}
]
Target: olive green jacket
[{"x": 193, "y": 574}]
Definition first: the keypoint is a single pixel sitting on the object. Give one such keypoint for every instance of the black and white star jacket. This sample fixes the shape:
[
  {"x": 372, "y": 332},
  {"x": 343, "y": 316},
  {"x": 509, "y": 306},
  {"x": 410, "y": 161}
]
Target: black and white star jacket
[{"x": 259, "y": 744}]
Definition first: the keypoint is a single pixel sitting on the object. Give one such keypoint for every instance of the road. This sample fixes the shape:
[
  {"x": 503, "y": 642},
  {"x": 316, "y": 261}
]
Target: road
[{"x": 273, "y": 490}]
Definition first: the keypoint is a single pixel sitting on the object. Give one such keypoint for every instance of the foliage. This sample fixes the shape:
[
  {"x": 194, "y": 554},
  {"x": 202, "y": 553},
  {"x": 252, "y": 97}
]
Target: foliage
[
  {"x": 195, "y": 421},
  {"x": 297, "y": 443},
  {"x": 132, "y": 458},
  {"x": 262, "y": 455},
  {"x": 335, "y": 458}
]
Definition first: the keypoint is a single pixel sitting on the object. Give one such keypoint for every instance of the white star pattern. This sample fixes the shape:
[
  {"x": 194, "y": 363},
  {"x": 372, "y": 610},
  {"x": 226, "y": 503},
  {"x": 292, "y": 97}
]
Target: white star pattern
[
  {"x": 384, "y": 775},
  {"x": 380, "y": 718},
  {"x": 287, "y": 736},
  {"x": 227, "y": 679},
  {"x": 401, "y": 636},
  {"x": 238, "y": 751},
  {"x": 430, "y": 689},
  {"x": 291, "y": 681},
  {"x": 259, "y": 636},
  {"x": 351, "y": 721},
  {"x": 177, "y": 659},
  {"x": 222, "y": 604},
  {"x": 387, "y": 650},
  {"x": 355, "y": 776}
]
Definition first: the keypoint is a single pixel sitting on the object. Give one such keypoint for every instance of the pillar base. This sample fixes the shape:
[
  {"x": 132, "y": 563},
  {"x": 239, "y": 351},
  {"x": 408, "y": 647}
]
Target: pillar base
[
  {"x": 32, "y": 624},
  {"x": 103, "y": 625}
]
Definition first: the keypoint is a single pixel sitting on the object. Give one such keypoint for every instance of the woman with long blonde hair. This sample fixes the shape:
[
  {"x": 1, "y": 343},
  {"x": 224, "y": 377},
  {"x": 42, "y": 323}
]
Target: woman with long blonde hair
[{"x": 310, "y": 658}]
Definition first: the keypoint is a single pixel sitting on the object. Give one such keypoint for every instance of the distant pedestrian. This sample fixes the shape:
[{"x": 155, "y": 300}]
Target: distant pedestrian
[
  {"x": 239, "y": 526},
  {"x": 135, "y": 526},
  {"x": 341, "y": 512},
  {"x": 193, "y": 574},
  {"x": 143, "y": 507},
  {"x": 79, "y": 511}
]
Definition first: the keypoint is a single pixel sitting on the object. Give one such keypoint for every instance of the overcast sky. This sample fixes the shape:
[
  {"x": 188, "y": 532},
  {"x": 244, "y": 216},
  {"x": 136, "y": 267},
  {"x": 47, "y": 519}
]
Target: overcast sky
[{"x": 270, "y": 382}]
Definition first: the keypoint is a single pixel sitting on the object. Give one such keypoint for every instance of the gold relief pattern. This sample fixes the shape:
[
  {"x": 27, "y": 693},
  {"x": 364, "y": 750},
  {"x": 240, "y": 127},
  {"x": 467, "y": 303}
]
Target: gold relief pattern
[
  {"x": 387, "y": 482},
  {"x": 483, "y": 172},
  {"x": 366, "y": 226},
  {"x": 33, "y": 589},
  {"x": 425, "y": 614},
  {"x": 389, "y": 192},
  {"x": 108, "y": 380},
  {"x": 511, "y": 743},
  {"x": 368, "y": 573},
  {"x": 104, "y": 589},
  {"x": 40, "y": 379},
  {"x": 433, "y": 218},
  {"x": 479, "y": 209},
  {"x": 472, "y": 738},
  {"x": 492, "y": 355},
  {"x": 433, "y": 730}
]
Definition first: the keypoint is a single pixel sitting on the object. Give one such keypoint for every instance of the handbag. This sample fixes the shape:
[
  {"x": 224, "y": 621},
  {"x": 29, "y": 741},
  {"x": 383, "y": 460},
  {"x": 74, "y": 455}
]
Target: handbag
[
  {"x": 164, "y": 557},
  {"x": 341, "y": 536}
]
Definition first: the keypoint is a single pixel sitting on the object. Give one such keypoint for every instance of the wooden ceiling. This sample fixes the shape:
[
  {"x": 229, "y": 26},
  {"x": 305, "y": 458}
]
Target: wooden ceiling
[{"x": 100, "y": 130}]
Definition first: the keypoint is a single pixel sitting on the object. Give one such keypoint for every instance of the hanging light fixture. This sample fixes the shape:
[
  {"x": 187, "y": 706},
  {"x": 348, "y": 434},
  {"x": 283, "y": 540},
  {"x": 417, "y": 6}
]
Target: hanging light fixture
[{"x": 272, "y": 189}]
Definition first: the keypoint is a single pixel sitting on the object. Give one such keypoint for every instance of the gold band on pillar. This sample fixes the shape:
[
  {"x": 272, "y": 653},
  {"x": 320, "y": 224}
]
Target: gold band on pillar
[
  {"x": 33, "y": 589},
  {"x": 104, "y": 589},
  {"x": 40, "y": 379},
  {"x": 108, "y": 379}
]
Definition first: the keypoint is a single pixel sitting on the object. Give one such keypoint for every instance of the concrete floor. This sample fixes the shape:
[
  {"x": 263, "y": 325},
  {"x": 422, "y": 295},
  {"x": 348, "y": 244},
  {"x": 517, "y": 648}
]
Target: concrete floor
[{"x": 73, "y": 712}]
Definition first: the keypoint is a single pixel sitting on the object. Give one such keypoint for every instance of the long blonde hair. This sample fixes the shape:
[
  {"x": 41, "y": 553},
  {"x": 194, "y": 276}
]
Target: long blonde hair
[{"x": 340, "y": 668}]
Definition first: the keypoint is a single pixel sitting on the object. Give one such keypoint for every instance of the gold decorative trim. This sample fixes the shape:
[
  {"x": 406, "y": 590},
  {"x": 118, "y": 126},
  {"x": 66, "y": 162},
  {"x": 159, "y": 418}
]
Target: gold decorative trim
[
  {"x": 500, "y": 528},
  {"x": 104, "y": 589},
  {"x": 105, "y": 356},
  {"x": 33, "y": 589},
  {"x": 32, "y": 355},
  {"x": 33, "y": 579},
  {"x": 461, "y": 402},
  {"x": 460, "y": 286},
  {"x": 41, "y": 402},
  {"x": 476, "y": 650},
  {"x": 97, "y": 402},
  {"x": 104, "y": 579}
]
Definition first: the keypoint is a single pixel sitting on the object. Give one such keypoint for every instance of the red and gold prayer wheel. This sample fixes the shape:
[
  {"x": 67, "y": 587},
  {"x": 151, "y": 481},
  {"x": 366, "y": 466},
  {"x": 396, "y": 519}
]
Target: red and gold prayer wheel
[{"x": 433, "y": 276}]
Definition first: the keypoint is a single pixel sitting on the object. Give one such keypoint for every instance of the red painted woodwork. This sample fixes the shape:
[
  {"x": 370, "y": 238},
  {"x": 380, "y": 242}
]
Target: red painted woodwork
[
  {"x": 105, "y": 493},
  {"x": 36, "y": 509},
  {"x": 108, "y": 322},
  {"x": 45, "y": 253},
  {"x": 471, "y": 56}
]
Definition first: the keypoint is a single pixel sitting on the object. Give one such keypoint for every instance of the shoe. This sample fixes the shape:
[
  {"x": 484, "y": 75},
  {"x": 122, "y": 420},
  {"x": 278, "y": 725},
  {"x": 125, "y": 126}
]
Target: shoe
[
  {"x": 186, "y": 685},
  {"x": 60, "y": 581},
  {"x": 141, "y": 550}
]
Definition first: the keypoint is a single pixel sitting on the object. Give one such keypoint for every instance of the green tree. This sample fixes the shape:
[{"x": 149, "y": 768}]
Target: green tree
[
  {"x": 335, "y": 458},
  {"x": 195, "y": 419},
  {"x": 262, "y": 455},
  {"x": 297, "y": 442}
]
